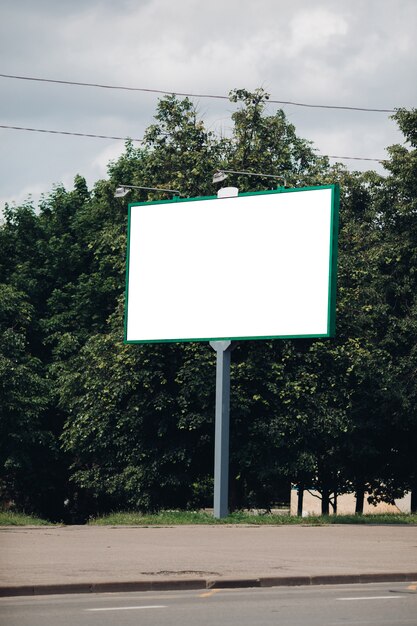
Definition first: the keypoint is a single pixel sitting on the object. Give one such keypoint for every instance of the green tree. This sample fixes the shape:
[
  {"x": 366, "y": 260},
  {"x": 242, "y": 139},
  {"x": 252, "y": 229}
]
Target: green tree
[
  {"x": 397, "y": 203},
  {"x": 179, "y": 153},
  {"x": 182, "y": 154},
  {"x": 131, "y": 442},
  {"x": 270, "y": 145},
  {"x": 336, "y": 415},
  {"x": 27, "y": 447}
]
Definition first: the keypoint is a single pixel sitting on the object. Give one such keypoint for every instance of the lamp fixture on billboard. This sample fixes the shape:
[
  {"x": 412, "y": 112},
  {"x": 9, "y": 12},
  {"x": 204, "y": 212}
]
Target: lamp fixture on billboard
[{"x": 123, "y": 190}]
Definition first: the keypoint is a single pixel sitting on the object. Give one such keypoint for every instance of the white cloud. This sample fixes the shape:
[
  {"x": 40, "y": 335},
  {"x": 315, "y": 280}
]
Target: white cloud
[
  {"x": 315, "y": 29},
  {"x": 101, "y": 161},
  {"x": 31, "y": 194}
]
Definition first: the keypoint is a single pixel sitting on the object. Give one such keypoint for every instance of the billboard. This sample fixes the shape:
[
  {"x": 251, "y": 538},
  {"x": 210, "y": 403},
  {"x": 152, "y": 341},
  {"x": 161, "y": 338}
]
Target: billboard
[{"x": 255, "y": 266}]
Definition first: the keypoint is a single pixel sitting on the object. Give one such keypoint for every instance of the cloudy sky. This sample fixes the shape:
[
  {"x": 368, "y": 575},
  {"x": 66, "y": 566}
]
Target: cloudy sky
[{"x": 359, "y": 53}]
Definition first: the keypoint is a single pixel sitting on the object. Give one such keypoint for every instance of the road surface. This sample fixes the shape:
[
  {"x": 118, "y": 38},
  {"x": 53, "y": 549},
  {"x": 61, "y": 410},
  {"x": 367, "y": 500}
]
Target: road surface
[{"x": 393, "y": 604}]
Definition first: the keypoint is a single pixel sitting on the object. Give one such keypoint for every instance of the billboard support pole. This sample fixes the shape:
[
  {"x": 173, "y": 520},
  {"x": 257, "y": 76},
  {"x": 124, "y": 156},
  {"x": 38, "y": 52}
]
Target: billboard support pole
[{"x": 222, "y": 417}]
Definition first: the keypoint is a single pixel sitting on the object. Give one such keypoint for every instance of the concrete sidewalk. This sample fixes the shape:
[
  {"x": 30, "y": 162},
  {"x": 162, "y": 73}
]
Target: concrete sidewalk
[{"x": 67, "y": 559}]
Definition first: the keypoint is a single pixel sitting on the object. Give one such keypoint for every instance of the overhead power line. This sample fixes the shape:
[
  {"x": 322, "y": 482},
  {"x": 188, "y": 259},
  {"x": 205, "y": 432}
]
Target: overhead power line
[
  {"x": 193, "y": 95},
  {"x": 63, "y": 132}
]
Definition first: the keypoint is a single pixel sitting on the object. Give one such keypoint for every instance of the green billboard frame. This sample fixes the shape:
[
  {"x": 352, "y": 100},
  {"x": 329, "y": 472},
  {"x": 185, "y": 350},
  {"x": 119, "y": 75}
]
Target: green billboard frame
[{"x": 332, "y": 266}]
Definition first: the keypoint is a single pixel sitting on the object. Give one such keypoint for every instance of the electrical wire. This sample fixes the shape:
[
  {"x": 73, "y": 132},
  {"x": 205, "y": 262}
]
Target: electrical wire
[
  {"x": 193, "y": 95},
  {"x": 63, "y": 132}
]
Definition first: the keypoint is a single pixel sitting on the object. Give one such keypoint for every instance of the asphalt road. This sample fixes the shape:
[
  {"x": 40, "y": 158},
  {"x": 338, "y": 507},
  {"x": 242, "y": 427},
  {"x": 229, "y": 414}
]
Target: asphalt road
[{"x": 391, "y": 604}]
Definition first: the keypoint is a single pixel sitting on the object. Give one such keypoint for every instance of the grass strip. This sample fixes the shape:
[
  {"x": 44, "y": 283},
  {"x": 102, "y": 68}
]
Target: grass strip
[
  {"x": 177, "y": 518},
  {"x": 12, "y": 518},
  {"x": 174, "y": 518}
]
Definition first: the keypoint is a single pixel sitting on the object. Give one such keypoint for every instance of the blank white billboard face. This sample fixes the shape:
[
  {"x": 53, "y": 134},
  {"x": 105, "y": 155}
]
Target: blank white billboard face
[{"x": 253, "y": 266}]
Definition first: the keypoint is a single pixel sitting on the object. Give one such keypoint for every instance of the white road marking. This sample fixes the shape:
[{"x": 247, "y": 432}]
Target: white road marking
[
  {"x": 129, "y": 608},
  {"x": 374, "y": 598}
]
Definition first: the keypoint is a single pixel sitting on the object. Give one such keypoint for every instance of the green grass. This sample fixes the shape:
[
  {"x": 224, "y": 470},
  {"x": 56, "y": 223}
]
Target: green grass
[
  {"x": 11, "y": 518},
  {"x": 174, "y": 518}
]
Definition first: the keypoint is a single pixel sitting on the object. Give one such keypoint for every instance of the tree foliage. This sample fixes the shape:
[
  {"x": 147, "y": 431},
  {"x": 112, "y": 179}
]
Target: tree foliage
[{"x": 101, "y": 425}]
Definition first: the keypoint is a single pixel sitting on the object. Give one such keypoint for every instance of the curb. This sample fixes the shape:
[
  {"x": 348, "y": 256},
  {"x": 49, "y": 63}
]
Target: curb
[{"x": 199, "y": 583}]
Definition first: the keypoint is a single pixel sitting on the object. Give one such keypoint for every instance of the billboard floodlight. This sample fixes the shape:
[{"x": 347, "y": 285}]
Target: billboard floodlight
[
  {"x": 123, "y": 190},
  {"x": 219, "y": 176}
]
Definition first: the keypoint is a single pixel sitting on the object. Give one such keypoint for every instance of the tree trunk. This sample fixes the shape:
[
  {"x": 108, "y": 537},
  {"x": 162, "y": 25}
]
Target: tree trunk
[
  {"x": 300, "y": 498},
  {"x": 414, "y": 497},
  {"x": 360, "y": 496},
  {"x": 235, "y": 488},
  {"x": 325, "y": 501}
]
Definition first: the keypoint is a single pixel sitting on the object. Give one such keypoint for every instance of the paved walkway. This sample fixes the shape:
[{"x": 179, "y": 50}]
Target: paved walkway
[{"x": 92, "y": 558}]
